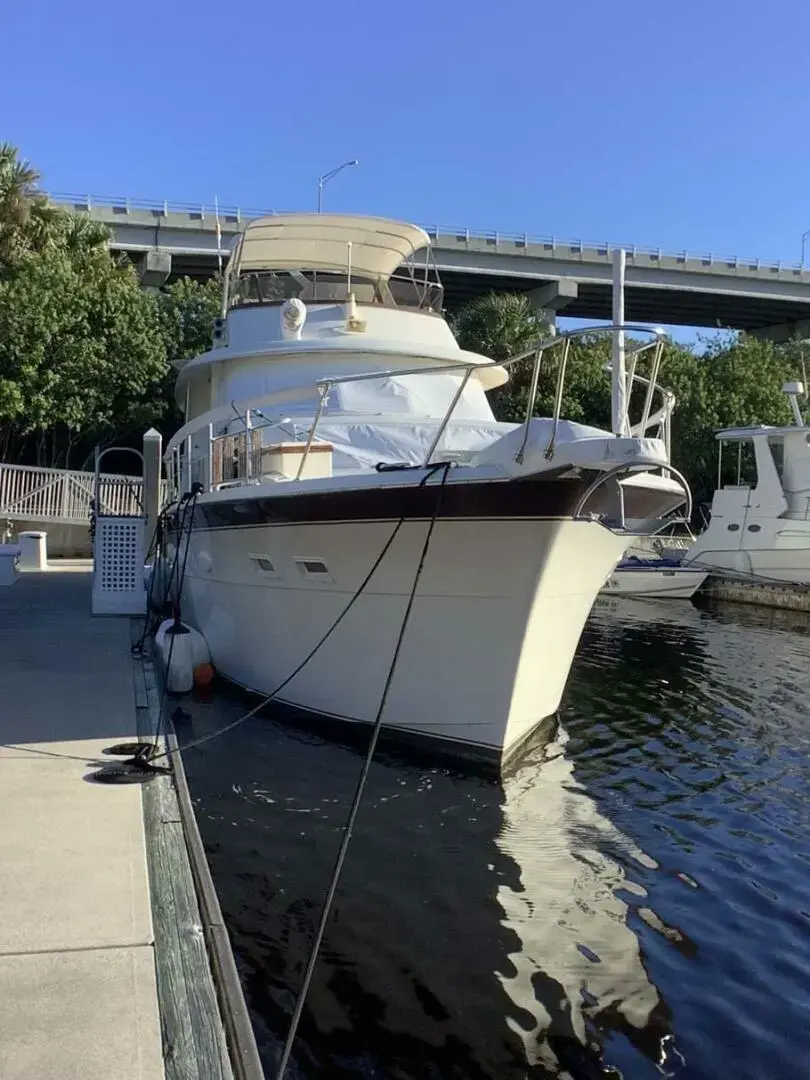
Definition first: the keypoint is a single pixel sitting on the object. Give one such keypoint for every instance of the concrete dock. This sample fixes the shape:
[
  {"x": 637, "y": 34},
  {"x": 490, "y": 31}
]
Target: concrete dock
[
  {"x": 78, "y": 995},
  {"x": 104, "y": 969}
]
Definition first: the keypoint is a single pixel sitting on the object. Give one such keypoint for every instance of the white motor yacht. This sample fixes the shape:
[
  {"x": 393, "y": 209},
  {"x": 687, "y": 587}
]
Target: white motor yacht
[
  {"x": 760, "y": 529},
  {"x": 333, "y": 431}
]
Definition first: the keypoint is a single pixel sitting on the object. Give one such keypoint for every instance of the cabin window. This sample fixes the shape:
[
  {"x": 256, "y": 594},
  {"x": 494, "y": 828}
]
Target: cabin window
[
  {"x": 405, "y": 288},
  {"x": 777, "y": 449},
  {"x": 754, "y": 528},
  {"x": 264, "y": 565},
  {"x": 736, "y": 464},
  {"x": 733, "y": 527},
  {"x": 314, "y": 566},
  {"x": 314, "y": 569}
]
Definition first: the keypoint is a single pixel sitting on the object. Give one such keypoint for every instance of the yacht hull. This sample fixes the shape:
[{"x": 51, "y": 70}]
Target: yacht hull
[{"x": 498, "y": 612}]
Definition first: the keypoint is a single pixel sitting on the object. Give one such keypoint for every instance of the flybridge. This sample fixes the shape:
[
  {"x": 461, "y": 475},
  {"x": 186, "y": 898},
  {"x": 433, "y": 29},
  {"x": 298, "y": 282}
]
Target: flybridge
[{"x": 320, "y": 258}]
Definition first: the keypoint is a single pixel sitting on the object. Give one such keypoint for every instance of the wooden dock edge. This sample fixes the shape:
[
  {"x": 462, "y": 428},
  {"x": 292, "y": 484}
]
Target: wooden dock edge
[{"x": 206, "y": 1027}]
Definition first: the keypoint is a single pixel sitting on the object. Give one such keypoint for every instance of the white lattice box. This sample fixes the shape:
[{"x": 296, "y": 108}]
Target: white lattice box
[{"x": 118, "y": 572}]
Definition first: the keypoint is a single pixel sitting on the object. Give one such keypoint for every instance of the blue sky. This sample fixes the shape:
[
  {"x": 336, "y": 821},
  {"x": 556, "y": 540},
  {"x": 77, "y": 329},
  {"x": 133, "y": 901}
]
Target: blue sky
[{"x": 680, "y": 125}]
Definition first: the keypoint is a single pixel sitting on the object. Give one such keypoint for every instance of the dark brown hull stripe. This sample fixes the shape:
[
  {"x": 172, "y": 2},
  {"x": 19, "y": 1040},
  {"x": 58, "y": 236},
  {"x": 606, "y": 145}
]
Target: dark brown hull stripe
[{"x": 548, "y": 498}]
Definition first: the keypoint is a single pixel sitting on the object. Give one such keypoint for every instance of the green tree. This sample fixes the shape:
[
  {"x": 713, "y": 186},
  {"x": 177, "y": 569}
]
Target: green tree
[
  {"x": 84, "y": 350},
  {"x": 186, "y": 312},
  {"x": 18, "y": 194},
  {"x": 187, "y": 309},
  {"x": 27, "y": 220},
  {"x": 81, "y": 353},
  {"x": 500, "y": 326}
]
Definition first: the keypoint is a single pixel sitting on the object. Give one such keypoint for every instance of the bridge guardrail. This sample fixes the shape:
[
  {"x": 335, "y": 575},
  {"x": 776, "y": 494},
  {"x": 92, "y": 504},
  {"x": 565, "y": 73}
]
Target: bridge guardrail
[{"x": 229, "y": 214}]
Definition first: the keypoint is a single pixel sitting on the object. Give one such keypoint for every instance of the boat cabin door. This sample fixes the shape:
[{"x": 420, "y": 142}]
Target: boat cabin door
[{"x": 766, "y": 502}]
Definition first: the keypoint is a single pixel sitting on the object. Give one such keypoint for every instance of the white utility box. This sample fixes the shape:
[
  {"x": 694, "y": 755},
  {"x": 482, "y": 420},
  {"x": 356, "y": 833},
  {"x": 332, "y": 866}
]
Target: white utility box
[
  {"x": 118, "y": 566},
  {"x": 33, "y": 550}
]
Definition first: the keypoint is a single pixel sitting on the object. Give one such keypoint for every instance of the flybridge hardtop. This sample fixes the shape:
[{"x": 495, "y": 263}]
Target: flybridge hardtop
[
  {"x": 319, "y": 242},
  {"x": 320, "y": 258}
]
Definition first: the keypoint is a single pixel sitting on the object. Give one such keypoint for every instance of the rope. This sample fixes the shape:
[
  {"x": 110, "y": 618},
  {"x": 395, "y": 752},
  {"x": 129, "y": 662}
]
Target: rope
[
  {"x": 358, "y": 797},
  {"x": 154, "y": 546},
  {"x": 188, "y": 515},
  {"x": 183, "y": 510}
]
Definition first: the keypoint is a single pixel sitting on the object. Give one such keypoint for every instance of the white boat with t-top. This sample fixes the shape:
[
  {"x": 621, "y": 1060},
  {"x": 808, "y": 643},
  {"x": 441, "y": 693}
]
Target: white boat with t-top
[{"x": 344, "y": 451}]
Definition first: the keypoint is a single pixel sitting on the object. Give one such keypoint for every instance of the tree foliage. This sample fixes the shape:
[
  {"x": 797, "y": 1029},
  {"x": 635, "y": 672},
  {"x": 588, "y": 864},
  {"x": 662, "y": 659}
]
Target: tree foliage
[
  {"x": 84, "y": 351},
  {"x": 186, "y": 313}
]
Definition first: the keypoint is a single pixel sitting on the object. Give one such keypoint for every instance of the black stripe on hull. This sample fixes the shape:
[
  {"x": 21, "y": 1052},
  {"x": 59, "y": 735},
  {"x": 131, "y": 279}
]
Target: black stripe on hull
[{"x": 547, "y": 497}]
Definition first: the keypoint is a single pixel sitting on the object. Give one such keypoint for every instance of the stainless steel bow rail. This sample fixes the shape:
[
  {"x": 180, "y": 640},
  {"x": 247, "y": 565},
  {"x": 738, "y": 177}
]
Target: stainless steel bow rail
[
  {"x": 184, "y": 469},
  {"x": 623, "y": 471}
]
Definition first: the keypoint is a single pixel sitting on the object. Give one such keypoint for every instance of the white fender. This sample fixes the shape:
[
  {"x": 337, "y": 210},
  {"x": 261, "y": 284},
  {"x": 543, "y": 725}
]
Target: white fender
[{"x": 187, "y": 648}]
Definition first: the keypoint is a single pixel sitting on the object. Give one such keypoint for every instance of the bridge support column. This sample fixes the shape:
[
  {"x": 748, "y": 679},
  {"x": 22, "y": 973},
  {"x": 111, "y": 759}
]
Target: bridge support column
[
  {"x": 784, "y": 332},
  {"x": 154, "y": 268},
  {"x": 551, "y": 298}
]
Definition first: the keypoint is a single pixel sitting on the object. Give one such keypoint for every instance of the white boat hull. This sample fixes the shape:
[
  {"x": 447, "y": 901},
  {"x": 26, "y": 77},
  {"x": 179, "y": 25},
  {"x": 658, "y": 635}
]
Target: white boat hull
[
  {"x": 779, "y": 551},
  {"x": 496, "y": 621},
  {"x": 671, "y": 582}
]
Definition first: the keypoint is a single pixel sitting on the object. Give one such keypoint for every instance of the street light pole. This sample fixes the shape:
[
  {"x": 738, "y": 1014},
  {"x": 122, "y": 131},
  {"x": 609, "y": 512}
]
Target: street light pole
[
  {"x": 328, "y": 176},
  {"x": 804, "y": 241}
]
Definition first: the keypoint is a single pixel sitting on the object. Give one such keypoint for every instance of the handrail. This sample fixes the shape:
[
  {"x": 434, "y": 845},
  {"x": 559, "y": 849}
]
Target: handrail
[
  {"x": 522, "y": 241},
  {"x": 323, "y": 387},
  {"x": 548, "y": 343},
  {"x": 617, "y": 470}
]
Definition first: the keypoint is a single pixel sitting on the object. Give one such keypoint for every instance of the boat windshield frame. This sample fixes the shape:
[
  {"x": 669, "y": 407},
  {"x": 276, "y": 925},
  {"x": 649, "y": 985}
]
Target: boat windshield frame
[{"x": 414, "y": 286}]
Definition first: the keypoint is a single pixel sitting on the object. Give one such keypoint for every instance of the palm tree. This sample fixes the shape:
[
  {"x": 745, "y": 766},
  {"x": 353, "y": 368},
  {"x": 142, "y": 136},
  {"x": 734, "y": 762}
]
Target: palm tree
[
  {"x": 29, "y": 223},
  {"x": 499, "y": 325},
  {"x": 77, "y": 234},
  {"x": 18, "y": 185},
  {"x": 18, "y": 197},
  {"x": 502, "y": 325}
]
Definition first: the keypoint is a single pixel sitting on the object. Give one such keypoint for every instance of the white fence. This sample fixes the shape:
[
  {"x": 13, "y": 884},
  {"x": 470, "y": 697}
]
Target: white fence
[{"x": 28, "y": 493}]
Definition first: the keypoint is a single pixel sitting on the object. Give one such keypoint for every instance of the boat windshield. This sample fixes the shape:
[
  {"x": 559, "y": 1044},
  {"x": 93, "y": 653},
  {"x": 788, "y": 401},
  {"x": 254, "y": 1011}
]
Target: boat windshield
[{"x": 407, "y": 288}]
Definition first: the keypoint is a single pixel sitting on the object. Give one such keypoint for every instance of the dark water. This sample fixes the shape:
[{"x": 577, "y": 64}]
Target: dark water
[{"x": 633, "y": 902}]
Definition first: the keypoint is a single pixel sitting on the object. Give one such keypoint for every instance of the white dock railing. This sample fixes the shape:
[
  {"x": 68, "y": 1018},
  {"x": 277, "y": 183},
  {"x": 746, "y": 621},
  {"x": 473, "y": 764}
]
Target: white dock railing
[{"x": 30, "y": 493}]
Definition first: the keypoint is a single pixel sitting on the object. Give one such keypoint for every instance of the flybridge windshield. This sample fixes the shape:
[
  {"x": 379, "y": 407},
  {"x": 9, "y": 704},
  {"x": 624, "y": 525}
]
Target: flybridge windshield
[{"x": 404, "y": 289}]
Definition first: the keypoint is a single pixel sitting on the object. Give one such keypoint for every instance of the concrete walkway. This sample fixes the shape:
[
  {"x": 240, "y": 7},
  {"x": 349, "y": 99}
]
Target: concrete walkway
[{"x": 78, "y": 997}]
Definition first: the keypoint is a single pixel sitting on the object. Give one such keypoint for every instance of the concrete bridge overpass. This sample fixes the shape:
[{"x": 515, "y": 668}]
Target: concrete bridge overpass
[{"x": 572, "y": 278}]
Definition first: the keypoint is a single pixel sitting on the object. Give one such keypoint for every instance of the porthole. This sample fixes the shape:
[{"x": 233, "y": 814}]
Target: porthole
[
  {"x": 314, "y": 569},
  {"x": 733, "y": 527},
  {"x": 754, "y": 528},
  {"x": 264, "y": 565}
]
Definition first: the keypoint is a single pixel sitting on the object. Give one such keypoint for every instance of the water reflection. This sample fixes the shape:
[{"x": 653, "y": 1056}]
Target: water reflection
[
  {"x": 707, "y": 768},
  {"x": 631, "y": 901}
]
